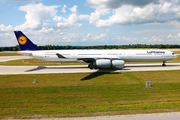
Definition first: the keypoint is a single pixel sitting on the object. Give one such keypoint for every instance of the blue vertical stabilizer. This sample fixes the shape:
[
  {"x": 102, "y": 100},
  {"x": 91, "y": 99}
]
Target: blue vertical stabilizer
[{"x": 24, "y": 42}]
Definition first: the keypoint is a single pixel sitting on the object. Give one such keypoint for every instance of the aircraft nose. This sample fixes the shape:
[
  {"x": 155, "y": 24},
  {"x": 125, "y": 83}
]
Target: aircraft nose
[{"x": 175, "y": 56}]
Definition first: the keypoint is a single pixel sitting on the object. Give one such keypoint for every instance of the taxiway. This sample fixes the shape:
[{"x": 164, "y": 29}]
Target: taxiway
[
  {"x": 4, "y": 70},
  {"x": 8, "y": 58},
  {"x": 152, "y": 116}
]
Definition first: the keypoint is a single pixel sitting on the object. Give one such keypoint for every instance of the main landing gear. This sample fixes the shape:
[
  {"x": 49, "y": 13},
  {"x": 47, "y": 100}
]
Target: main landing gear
[
  {"x": 91, "y": 66},
  {"x": 164, "y": 63}
]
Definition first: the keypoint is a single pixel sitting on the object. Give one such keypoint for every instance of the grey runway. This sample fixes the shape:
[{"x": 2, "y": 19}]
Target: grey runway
[
  {"x": 153, "y": 116},
  {"x": 4, "y": 70},
  {"x": 8, "y": 58}
]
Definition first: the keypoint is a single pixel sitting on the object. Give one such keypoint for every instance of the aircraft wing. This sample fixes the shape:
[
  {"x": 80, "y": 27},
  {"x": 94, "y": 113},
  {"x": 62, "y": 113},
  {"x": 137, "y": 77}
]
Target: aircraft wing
[
  {"x": 60, "y": 56},
  {"x": 90, "y": 59}
]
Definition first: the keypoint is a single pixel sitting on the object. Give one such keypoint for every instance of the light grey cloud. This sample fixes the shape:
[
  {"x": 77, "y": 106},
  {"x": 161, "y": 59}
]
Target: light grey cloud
[
  {"x": 161, "y": 12},
  {"x": 36, "y": 14},
  {"x": 114, "y": 4},
  {"x": 74, "y": 19},
  {"x": 64, "y": 9}
]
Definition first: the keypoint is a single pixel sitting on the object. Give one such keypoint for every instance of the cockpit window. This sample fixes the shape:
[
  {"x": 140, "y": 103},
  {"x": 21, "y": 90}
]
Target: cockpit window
[{"x": 172, "y": 53}]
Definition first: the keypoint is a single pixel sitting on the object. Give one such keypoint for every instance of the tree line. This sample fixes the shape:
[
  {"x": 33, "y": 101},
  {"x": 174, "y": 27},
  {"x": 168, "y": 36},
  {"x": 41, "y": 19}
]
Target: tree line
[{"x": 57, "y": 47}]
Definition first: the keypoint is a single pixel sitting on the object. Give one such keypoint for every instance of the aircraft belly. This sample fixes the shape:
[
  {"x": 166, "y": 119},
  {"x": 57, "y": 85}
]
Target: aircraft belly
[
  {"x": 55, "y": 59},
  {"x": 63, "y": 60}
]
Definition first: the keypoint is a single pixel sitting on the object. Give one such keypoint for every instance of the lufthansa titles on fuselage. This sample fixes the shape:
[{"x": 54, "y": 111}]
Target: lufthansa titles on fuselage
[{"x": 156, "y": 52}]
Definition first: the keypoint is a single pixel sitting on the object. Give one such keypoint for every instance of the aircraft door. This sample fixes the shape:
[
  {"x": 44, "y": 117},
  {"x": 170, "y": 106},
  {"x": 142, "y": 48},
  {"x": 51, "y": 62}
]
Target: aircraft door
[{"x": 74, "y": 54}]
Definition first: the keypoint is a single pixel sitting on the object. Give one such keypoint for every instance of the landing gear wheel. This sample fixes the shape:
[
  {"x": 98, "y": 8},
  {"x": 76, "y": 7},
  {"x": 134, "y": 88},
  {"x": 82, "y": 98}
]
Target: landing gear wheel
[
  {"x": 91, "y": 66},
  {"x": 164, "y": 63}
]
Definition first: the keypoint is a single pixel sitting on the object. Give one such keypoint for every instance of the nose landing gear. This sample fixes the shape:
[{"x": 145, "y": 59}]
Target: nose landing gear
[{"x": 164, "y": 63}]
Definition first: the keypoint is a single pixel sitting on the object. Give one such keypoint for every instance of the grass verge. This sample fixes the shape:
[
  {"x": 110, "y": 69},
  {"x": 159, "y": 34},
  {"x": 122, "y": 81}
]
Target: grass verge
[
  {"x": 67, "y": 95},
  {"x": 9, "y": 54}
]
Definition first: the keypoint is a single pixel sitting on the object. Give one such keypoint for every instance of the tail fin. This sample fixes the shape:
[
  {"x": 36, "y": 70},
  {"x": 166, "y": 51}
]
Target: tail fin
[{"x": 24, "y": 42}]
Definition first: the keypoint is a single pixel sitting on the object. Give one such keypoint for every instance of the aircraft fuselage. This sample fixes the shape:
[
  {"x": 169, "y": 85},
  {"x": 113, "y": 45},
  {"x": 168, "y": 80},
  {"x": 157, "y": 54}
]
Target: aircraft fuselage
[{"x": 80, "y": 55}]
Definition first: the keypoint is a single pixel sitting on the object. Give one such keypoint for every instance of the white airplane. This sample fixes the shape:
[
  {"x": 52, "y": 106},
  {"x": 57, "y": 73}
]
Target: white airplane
[{"x": 97, "y": 59}]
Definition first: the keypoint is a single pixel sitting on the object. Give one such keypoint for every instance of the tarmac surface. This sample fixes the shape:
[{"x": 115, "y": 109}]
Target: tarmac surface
[
  {"x": 5, "y": 70},
  {"x": 8, "y": 58},
  {"x": 153, "y": 116}
]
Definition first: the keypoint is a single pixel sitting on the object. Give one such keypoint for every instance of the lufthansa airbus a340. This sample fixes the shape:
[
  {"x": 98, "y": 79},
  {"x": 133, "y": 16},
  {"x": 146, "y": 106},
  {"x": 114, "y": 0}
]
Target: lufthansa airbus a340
[{"x": 97, "y": 59}]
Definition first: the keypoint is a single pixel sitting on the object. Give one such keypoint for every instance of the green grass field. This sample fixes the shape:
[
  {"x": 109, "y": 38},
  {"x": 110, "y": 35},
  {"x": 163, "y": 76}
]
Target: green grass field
[
  {"x": 176, "y": 52},
  {"x": 9, "y": 54},
  {"x": 68, "y": 95}
]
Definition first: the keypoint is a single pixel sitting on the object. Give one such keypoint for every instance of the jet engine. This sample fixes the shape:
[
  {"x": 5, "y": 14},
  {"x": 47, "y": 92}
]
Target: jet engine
[
  {"x": 106, "y": 63},
  {"x": 117, "y": 63}
]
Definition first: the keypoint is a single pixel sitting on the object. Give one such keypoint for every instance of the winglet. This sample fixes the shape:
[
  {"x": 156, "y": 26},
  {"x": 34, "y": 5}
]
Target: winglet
[{"x": 24, "y": 42}]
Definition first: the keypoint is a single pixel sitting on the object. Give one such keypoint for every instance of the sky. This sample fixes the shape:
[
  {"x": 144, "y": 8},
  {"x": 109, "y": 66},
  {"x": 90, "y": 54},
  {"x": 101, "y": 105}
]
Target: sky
[{"x": 90, "y": 22}]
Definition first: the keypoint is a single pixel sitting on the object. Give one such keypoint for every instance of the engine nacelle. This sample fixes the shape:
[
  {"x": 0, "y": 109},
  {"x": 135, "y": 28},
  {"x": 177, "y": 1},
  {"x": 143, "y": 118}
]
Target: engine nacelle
[
  {"x": 102, "y": 63},
  {"x": 107, "y": 63},
  {"x": 117, "y": 63}
]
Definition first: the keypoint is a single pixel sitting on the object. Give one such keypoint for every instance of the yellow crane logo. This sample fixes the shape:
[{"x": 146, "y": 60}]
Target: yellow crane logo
[{"x": 22, "y": 40}]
